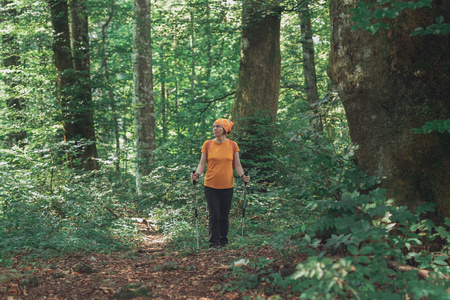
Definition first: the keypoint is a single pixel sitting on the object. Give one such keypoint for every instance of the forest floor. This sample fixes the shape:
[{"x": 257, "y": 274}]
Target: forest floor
[{"x": 149, "y": 272}]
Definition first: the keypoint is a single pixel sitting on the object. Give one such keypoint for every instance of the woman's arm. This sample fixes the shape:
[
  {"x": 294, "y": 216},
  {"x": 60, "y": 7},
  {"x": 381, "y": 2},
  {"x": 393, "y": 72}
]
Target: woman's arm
[
  {"x": 200, "y": 168},
  {"x": 239, "y": 169}
]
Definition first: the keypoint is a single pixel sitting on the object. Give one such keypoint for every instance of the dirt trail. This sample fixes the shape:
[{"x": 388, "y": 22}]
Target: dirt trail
[{"x": 162, "y": 274}]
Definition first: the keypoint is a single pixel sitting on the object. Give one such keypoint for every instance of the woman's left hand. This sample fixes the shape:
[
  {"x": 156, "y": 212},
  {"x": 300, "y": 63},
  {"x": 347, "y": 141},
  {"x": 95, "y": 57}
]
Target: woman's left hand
[{"x": 245, "y": 178}]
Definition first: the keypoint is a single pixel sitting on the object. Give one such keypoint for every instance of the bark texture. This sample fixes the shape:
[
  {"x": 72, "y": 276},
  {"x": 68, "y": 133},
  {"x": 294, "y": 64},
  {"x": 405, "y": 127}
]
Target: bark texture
[
  {"x": 82, "y": 106},
  {"x": 309, "y": 63},
  {"x": 72, "y": 82},
  {"x": 390, "y": 83},
  {"x": 144, "y": 111},
  {"x": 256, "y": 100}
]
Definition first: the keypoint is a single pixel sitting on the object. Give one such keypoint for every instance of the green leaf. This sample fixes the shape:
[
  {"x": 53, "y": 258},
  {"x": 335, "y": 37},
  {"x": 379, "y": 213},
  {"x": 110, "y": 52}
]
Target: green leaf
[
  {"x": 366, "y": 250},
  {"x": 352, "y": 249},
  {"x": 440, "y": 126},
  {"x": 363, "y": 259},
  {"x": 424, "y": 208},
  {"x": 440, "y": 260},
  {"x": 307, "y": 238}
]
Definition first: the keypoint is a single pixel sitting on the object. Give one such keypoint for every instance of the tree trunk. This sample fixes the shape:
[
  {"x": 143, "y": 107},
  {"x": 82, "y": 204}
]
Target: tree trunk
[
  {"x": 163, "y": 108},
  {"x": 192, "y": 51},
  {"x": 110, "y": 90},
  {"x": 209, "y": 42},
  {"x": 72, "y": 83},
  {"x": 81, "y": 105},
  {"x": 205, "y": 128},
  {"x": 175, "y": 49},
  {"x": 61, "y": 46},
  {"x": 256, "y": 102},
  {"x": 309, "y": 64},
  {"x": 390, "y": 83},
  {"x": 62, "y": 58},
  {"x": 144, "y": 111}
]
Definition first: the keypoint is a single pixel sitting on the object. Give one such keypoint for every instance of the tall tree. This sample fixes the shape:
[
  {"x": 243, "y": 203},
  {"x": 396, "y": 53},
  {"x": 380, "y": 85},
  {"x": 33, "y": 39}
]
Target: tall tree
[
  {"x": 256, "y": 100},
  {"x": 309, "y": 63},
  {"x": 163, "y": 107},
  {"x": 110, "y": 90},
  {"x": 208, "y": 67},
  {"x": 144, "y": 111},
  {"x": 82, "y": 105},
  {"x": 73, "y": 91},
  {"x": 391, "y": 82}
]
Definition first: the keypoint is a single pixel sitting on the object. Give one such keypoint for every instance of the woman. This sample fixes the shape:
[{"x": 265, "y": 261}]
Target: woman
[{"x": 219, "y": 156}]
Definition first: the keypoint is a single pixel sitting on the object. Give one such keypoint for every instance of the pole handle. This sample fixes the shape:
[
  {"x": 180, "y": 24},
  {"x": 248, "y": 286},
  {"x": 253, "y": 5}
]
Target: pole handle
[
  {"x": 246, "y": 174},
  {"x": 194, "y": 182}
]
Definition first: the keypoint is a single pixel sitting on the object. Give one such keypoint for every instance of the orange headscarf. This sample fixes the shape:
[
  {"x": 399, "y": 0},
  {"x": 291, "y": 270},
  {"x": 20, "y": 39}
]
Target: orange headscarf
[{"x": 226, "y": 124}]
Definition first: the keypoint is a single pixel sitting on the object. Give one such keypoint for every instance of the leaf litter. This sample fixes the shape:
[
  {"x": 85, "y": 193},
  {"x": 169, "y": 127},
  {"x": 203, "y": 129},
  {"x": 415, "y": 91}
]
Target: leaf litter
[{"x": 151, "y": 272}]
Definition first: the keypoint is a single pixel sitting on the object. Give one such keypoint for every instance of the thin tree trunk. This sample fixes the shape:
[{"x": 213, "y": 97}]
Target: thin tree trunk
[
  {"x": 163, "y": 94},
  {"x": 175, "y": 46},
  {"x": 125, "y": 141},
  {"x": 110, "y": 91},
  {"x": 144, "y": 111},
  {"x": 309, "y": 64},
  {"x": 163, "y": 112},
  {"x": 192, "y": 49},
  {"x": 208, "y": 42},
  {"x": 204, "y": 127}
]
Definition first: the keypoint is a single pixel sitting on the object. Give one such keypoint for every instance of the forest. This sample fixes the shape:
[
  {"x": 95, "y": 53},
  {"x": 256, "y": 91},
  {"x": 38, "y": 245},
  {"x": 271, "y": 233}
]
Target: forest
[{"x": 341, "y": 111}]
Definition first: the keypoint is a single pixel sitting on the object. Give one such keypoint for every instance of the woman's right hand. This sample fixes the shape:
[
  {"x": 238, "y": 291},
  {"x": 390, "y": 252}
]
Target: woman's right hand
[
  {"x": 195, "y": 176},
  {"x": 245, "y": 178}
]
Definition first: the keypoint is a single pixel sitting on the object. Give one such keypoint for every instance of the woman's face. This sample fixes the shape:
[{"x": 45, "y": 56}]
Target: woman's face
[{"x": 218, "y": 129}]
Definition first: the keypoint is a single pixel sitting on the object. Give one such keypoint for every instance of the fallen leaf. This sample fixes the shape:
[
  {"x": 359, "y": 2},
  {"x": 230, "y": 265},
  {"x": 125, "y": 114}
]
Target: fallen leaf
[{"x": 107, "y": 289}]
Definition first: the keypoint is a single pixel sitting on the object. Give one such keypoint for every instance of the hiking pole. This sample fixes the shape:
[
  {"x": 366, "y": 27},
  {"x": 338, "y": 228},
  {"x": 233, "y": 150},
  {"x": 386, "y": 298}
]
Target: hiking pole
[
  {"x": 194, "y": 182},
  {"x": 243, "y": 207}
]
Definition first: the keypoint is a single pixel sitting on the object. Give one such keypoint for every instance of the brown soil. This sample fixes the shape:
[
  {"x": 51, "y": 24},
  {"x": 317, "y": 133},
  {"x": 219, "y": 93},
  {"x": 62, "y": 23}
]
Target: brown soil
[{"x": 168, "y": 275}]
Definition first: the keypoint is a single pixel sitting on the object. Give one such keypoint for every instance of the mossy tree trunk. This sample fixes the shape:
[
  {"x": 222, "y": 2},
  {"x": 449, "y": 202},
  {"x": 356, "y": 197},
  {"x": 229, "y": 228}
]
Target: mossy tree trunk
[
  {"x": 256, "y": 101},
  {"x": 390, "y": 83}
]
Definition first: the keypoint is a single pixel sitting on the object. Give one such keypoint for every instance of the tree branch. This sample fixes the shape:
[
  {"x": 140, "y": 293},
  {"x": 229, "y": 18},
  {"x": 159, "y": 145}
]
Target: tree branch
[{"x": 421, "y": 273}]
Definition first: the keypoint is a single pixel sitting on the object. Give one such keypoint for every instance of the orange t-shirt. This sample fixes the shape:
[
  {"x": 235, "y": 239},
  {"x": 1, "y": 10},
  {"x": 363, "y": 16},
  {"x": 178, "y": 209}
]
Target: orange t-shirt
[{"x": 219, "y": 173}]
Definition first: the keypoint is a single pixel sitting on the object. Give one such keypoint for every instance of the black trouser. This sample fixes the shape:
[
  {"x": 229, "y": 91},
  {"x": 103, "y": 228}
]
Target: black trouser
[{"x": 219, "y": 205}]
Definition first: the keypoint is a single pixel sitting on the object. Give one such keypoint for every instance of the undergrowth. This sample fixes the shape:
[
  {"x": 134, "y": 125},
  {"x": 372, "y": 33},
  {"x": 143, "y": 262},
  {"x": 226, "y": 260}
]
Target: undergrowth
[
  {"x": 320, "y": 206},
  {"x": 50, "y": 210},
  {"x": 351, "y": 238}
]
